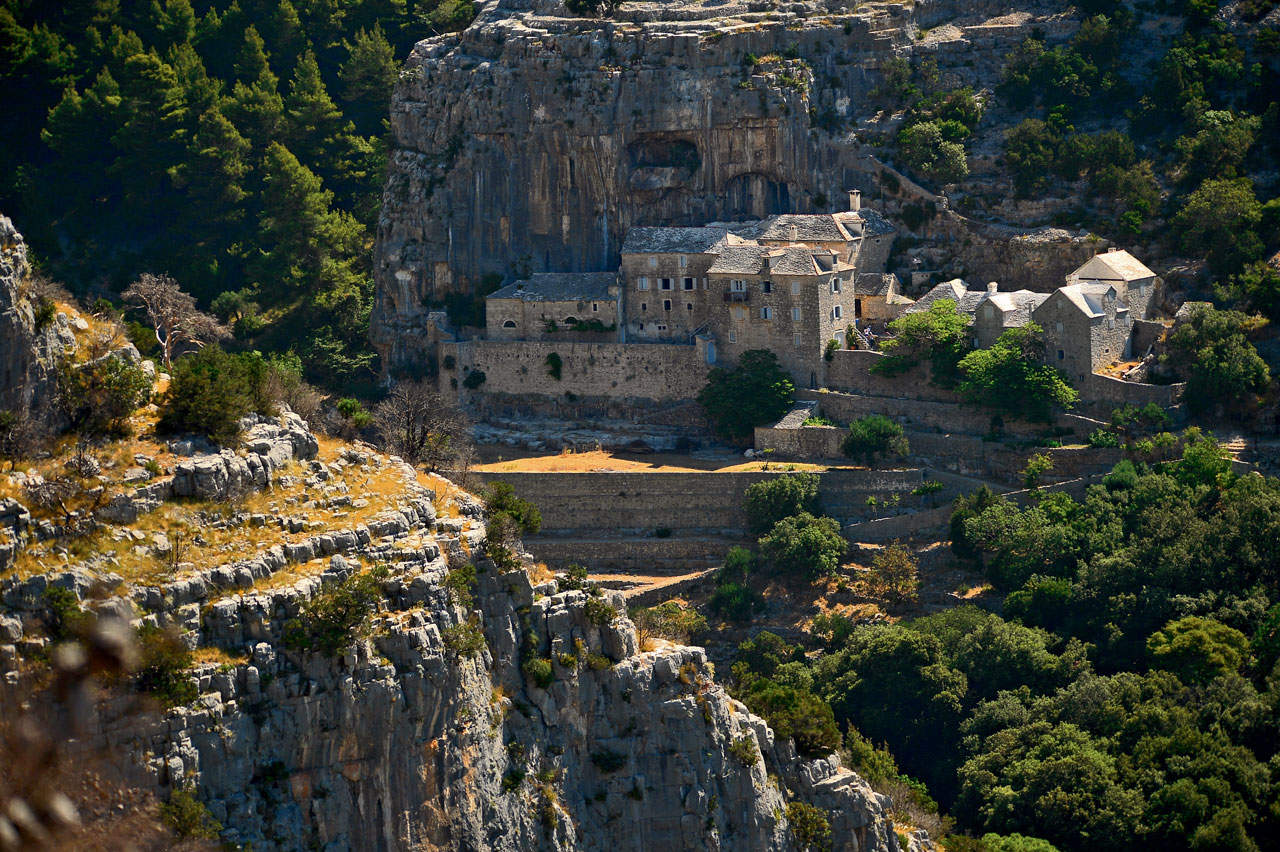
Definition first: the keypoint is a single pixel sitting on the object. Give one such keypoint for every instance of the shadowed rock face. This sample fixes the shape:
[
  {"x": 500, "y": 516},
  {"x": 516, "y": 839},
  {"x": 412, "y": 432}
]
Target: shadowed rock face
[
  {"x": 534, "y": 141},
  {"x": 28, "y": 355}
]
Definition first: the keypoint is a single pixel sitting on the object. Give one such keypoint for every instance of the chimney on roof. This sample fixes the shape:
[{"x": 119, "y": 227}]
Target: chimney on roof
[
  {"x": 792, "y": 232},
  {"x": 855, "y": 200},
  {"x": 992, "y": 287},
  {"x": 1113, "y": 248}
]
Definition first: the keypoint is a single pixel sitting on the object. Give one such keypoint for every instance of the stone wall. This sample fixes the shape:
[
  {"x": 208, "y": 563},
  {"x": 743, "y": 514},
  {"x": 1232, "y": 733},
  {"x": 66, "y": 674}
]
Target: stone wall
[
  {"x": 661, "y": 372},
  {"x": 642, "y": 502},
  {"x": 1108, "y": 392},
  {"x": 850, "y": 370}
]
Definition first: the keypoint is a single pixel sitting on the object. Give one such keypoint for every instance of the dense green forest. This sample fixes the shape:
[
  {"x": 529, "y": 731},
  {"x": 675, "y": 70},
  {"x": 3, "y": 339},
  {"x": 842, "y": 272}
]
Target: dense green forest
[
  {"x": 1128, "y": 698},
  {"x": 237, "y": 145},
  {"x": 1171, "y": 139}
]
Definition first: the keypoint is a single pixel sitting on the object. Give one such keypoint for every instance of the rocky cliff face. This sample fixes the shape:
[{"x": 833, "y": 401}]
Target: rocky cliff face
[
  {"x": 30, "y": 341},
  {"x": 535, "y": 140},
  {"x": 428, "y": 733}
]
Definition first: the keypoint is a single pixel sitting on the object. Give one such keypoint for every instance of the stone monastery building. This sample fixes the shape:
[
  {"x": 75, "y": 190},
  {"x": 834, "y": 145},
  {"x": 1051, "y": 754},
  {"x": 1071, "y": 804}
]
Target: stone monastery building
[{"x": 789, "y": 284}]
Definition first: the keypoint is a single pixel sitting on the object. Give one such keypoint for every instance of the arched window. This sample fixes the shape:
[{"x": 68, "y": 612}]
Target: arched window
[
  {"x": 509, "y": 324},
  {"x": 570, "y": 320}
]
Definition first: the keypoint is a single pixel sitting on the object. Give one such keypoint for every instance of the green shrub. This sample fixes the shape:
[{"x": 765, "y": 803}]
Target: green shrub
[
  {"x": 756, "y": 392},
  {"x": 337, "y": 616},
  {"x": 745, "y": 750},
  {"x": 99, "y": 396},
  {"x": 460, "y": 581},
  {"x": 188, "y": 817},
  {"x": 354, "y": 412},
  {"x": 474, "y": 379},
  {"x": 1103, "y": 438},
  {"x": 163, "y": 668},
  {"x": 538, "y": 670},
  {"x": 771, "y": 500},
  {"x": 804, "y": 545},
  {"x": 500, "y": 498},
  {"x": 874, "y": 436},
  {"x": 669, "y": 620},
  {"x": 555, "y": 365},
  {"x": 599, "y": 612},
  {"x": 929, "y": 486},
  {"x": 465, "y": 638},
  {"x": 64, "y": 620},
  {"x": 45, "y": 311},
  {"x": 210, "y": 390},
  {"x": 809, "y": 825},
  {"x": 735, "y": 602}
]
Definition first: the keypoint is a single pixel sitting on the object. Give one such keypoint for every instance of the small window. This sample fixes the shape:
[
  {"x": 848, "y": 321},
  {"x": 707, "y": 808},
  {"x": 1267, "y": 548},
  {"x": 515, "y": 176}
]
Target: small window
[
  {"x": 738, "y": 286},
  {"x": 795, "y": 338},
  {"x": 766, "y": 313},
  {"x": 509, "y": 324},
  {"x": 835, "y": 285},
  {"x": 795, "y": 288},
  {"x": 733, "y": 337},
  {"x": 666, "y": 283},
  {"x": 1057, "y": 326},
  {"x": 653, "y": 262},
  {"x": 835, "y": 312},
  {"x": 795, "y": 315},
  {"x": 644, "y": 306},
  {"x": 684, "y": 261},
  {"x": 666, "y": 304},
  {"x": 768, "y": 286},
  {"x": 688, "y": 306},
  {"x": 570, "y": 320},
  {"x": 642, "y": 284},
  {"x": 662, "y": 326},
  {"x": 688, "y": 283},
  {"x": 595, "y": 307},
  {"x": 1061, "y": 355}
]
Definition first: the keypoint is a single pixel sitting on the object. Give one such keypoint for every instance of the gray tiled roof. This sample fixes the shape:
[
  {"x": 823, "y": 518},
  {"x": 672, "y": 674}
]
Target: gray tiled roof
[
  {"x": 819, "y": 227},
  {"x": 875, "y": 283},
  {"x": 672, "y": 240},
  {"x": 560, "y": 287},
  {"x": 875, "y": 225},
  {"x": 1017, "y": 306},
  {"x": 750, "y": 260},
  {"x": 966, "y": 300}
]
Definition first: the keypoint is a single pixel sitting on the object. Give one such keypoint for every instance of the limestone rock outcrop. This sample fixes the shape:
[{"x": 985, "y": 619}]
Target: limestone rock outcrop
[
  {"x": 534, "y": 139},
  {"x": 430, "y": 730},
  {"x": 30, "y": 341}
]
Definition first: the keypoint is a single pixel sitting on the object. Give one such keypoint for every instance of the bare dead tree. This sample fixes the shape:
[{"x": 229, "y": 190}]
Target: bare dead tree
[
  {"x": 178, "y": 323},
  {"x": 421, "y": 426}
]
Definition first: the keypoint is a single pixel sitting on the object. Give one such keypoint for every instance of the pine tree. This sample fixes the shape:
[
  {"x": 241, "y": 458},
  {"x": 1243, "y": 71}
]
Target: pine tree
[{"x": 367, "y": 78}]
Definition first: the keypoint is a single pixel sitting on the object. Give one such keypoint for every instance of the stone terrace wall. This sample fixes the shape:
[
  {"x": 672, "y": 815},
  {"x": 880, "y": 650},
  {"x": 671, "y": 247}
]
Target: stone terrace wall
[
  {"x": 850, "y": 370},
  {"x": 1106, "y": 391},
  {"x": 662, "y": 372},
  {"x": 679, "y": 501}
]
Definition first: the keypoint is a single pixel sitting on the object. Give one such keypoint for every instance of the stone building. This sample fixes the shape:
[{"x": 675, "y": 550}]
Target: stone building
[
  {"x": 877, "y": 298},
  {"x": 665, "y": 275},
  {"x": 1086, "y": 327},
  {"x": 1135, "y": 283},
  {"x": 554, "y": 305},
  {"x": 998, "y": 312},
  {"x": 788, "y": 299}
]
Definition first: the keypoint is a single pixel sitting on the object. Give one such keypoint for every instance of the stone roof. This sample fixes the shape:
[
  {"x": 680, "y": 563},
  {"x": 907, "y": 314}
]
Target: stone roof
[
  {"x": 782, "y": 260},
  {"x": 812, "y": 227},
  {"x": 1016, "y": 307},
  {"x": 875, "y": 225},
  {"x": 966, "y": 300},
  {"x": 875, "y": 283},
  {"x": 560, "y": 287},
  {"x": 673, "y": 240},
  {"x": 1088, "y": 298},
  {"x": 1113, "y": 266}
]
